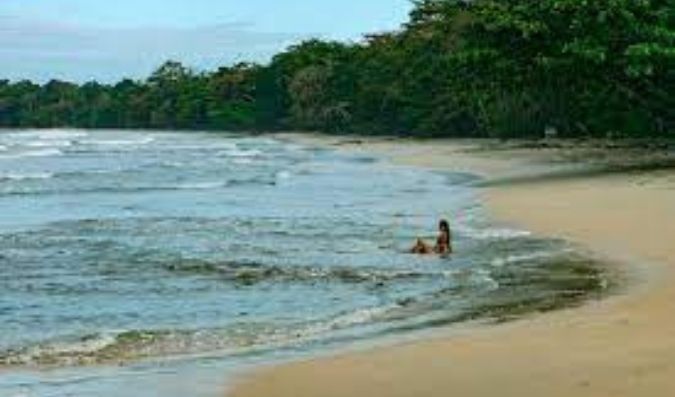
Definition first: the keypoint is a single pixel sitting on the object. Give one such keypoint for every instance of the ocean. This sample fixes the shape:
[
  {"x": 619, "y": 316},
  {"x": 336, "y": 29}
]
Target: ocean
[{"x": 154, "y": 263}]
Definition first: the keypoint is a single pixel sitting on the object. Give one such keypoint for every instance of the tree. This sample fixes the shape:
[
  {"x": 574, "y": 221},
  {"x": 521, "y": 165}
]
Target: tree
[{"x": 502, "y": 68}]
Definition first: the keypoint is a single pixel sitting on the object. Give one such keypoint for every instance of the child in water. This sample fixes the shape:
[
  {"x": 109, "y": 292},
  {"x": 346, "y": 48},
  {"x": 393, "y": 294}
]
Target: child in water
[{"x": 443, "y": 242}]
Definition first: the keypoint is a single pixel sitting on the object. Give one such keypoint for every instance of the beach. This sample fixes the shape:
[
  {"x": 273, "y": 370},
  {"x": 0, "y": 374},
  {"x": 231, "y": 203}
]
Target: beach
[
  {"x": 620, "y": 346},
  {"x": 167, "y": 263}
]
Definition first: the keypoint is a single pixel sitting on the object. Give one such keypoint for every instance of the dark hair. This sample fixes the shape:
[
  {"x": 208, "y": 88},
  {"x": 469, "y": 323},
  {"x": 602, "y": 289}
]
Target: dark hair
[{"x": 445, "y": 226}]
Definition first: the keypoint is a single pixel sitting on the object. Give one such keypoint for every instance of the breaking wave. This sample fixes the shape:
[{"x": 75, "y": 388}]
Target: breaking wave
[
  {"x": 51, "y": 152},
  {"x": 561, "y": 286}
]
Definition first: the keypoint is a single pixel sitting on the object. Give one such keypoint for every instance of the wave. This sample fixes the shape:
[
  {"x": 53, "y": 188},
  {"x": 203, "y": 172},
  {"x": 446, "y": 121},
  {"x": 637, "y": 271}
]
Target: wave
[
  {"x": 437, "y": 308},
  {"x": 495, "y": 233},
  {"x": 283, "y": 175},
  {"x": 238, "y": 153},
  {"x": 34, "y": 153},
  {"x": 243, "y": 161},
  {"x": 97, "y": 173},
  {"x": 173, "y": 164},
  {"x": 251, "y": 273},
  {"x": 19, "y": 176},
  {"x": 88, "y": 349},
  {"x": 133, "y": 345},
  {"x": 218, "y": 145},
  {"x": 354, "y": 318},
  {"x": 113, "y": 189},
  {"x": 27, "y": 176},
  {"x": 118, "y": 142},
  {"x": 200, "y": 186},
  {"x": 48, "y": 134},
  {"x": 565, "y": 283},
  {"x": 43, "y": 153},
  {"x": 59, "y": 134},
  {"x": 517, "y": 258},
  {"x": 49, "y": 144},
  {"x": 119, "y": 347}
]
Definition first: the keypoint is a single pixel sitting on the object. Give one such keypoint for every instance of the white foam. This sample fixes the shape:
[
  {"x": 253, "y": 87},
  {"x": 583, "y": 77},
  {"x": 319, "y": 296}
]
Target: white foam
[
  {"x": 49, "y": 143},
  {"x": 293, "y": 147},
  {"x": 21, "y": 177},
  {"x": 61, "y": 134},
  {"x": 503, "y": 261},
  {"x": 242, "y": 153},
  {"x": 42, "y": 153},
  {"x": 339, "y": 322},
  {"x": 243, "y": 161},
  {"x": 48, "y": 134},
  {"x": 65, "y": 349},
  {"x": 281, "y": 175},
  {"x": 495, "y": 233},
  {"x": 450, "y": 273},
  {"x": 34, "y": 153},
  {"x": 86, "y": 345},
  {"x": 173, "y": 164},
  {"x": 205, "y": 146},
  {"x": 120, "y": 142},
  {"x": 484, "y": 277},
  {"x": 362, "y": 316},
  {"x": 201, "y": 185},
  {"x": 357, "y": 317}
]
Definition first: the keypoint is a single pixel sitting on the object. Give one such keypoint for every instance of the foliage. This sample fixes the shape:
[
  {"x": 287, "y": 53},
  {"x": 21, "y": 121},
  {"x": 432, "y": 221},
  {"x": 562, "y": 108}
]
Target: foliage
[{"x": 504, "y": 68}]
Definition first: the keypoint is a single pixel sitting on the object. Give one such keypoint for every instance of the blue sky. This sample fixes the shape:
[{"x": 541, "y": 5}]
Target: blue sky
[{"x": 110, "y": 39}]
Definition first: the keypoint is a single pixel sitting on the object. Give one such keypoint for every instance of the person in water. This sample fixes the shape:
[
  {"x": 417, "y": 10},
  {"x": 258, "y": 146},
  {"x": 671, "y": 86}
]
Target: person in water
[{"x": 443, "y": 242}]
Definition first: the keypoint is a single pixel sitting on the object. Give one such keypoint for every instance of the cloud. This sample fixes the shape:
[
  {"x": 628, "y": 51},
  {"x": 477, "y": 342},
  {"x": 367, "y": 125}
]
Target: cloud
[{"x": 42, "y": 50}]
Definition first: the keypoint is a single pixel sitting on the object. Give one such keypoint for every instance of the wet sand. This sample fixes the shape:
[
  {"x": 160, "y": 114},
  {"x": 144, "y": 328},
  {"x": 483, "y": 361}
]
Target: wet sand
[{"x": 621, "y": 346}]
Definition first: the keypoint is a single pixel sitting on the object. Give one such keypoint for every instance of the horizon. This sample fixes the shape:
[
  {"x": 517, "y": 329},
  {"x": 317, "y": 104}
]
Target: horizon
[{"x": 78, "y": 41}]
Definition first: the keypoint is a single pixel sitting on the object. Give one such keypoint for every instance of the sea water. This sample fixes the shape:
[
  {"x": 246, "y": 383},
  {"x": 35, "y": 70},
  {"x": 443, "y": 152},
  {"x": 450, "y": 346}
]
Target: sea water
[{"x": 152, "y": 263}]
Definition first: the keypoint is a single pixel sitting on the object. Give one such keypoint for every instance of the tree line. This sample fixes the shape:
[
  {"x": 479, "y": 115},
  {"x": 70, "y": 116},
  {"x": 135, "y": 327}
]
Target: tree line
[{"x": 466, "y": 68}]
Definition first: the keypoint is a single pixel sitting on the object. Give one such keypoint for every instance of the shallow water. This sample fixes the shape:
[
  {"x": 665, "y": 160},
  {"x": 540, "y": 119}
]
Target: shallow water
[{"x": 131, "y": 258}]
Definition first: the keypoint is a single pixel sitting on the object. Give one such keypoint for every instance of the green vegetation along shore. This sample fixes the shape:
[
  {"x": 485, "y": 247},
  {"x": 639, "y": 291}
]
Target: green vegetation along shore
[{"x": 482, "y": 68}]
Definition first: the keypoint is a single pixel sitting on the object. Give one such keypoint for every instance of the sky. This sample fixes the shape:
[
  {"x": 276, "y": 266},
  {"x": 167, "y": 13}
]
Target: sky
[{"x": 107, "y": 40}]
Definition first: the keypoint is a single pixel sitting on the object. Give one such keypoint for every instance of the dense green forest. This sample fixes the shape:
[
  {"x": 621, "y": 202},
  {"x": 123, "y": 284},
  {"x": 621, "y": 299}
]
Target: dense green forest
[{"x": 501, "y": 68}]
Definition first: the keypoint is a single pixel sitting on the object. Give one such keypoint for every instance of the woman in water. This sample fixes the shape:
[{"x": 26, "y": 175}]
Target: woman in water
[{"x": 443, "y": 242}]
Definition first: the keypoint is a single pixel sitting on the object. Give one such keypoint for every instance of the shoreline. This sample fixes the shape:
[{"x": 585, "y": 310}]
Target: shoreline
[{"x": 621, "y": 345}]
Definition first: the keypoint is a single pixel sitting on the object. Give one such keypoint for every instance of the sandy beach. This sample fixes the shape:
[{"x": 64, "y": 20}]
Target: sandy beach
[{"x": 621, "y": 346}]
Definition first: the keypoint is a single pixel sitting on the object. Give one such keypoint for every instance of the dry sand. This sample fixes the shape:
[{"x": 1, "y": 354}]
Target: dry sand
[{"x": 622, "y": 346}]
